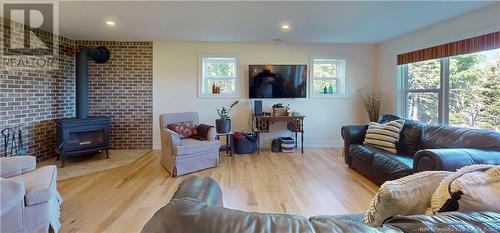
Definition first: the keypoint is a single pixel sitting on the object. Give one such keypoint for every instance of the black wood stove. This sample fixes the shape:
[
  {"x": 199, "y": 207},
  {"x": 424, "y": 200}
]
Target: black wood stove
[{"x": 83, "y": 135}]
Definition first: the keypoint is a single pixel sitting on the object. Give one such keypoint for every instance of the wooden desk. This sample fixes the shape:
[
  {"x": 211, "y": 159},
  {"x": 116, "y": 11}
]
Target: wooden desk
[{"x": 293, "y": 123}]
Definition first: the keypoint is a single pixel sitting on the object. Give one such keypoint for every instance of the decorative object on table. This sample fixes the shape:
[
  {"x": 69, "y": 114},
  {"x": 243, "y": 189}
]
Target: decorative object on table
[
  {"x": 287, "y": 144},
  {"x": 223, "y": 124},
  {"x": 257, "y": 108},
  {"x": 276, "y": 145},
  {"x": 372, "y": 100},
  {"x": 280, "y": 110},
  {"x": 325, "y": 90},
  {"x": 245, "y": 143},
  {"x": 13, "y": 142}
]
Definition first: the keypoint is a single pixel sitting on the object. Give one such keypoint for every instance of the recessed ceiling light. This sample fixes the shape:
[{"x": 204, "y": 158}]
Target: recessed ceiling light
[
  {"x": 285, "y": 26},
  {"x": 110, "y": 23}
]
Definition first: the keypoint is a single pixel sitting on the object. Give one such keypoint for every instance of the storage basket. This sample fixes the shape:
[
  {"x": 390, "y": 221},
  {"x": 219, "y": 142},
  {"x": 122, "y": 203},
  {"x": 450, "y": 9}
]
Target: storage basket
[
  {"x": 276, "y": 145},
  {"x": 244, "y": 143},
  {"x": 287, "y": 144}
]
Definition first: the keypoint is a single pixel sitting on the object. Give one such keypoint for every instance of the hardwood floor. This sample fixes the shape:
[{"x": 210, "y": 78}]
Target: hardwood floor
[{"x": 123, "y": 199}]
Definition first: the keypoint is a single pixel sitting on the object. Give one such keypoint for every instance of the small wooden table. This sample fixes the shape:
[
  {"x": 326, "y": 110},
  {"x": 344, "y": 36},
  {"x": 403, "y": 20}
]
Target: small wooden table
[
  {"x": 228, "y": 148},
  {"x": 293, "y": 123}
]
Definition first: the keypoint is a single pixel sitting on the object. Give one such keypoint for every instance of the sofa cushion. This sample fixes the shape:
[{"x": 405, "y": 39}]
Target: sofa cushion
[
  {"x": 442, "y": 136},
  {"x": 406, "y": 196},
  {"x": 410, "y": 137},
  {"x": 191, "y": 146},
  {"x": 396, "y": 165},
  {"x": 40, "y": 184},
  {"x": 384, "y": 136},
  {"x": 362, "y": 152}
]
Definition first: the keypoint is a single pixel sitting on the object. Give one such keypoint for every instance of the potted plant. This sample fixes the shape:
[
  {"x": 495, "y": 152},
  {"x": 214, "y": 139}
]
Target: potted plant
[
  {"x": 223, "y": 124},
  {"x": 372, "y": 100}
]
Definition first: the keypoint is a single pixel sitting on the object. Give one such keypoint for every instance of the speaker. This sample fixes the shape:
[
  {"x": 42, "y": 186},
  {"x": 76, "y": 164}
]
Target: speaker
[{"x": 257, "y": 106}]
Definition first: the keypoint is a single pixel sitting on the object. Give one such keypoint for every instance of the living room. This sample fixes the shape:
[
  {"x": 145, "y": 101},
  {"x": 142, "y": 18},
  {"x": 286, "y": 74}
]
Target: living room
[{"x": 258, "y": 116}]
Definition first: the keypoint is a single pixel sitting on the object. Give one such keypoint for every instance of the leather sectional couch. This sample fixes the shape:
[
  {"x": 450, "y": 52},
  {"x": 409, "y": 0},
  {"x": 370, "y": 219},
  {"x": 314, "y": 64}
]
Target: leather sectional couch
[
  {"x": 421, "y": 147},
  {"x": 197, "y": 207}
]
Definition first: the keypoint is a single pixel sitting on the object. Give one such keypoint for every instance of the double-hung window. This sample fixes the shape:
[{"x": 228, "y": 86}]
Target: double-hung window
[
  {"x": 328, "y": 77},
  {"x": 218, "y": 76},
  {"x": 462, "y": 90}
]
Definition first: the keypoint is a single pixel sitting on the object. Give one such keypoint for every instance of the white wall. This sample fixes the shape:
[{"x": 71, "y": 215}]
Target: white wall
[
  {"x": 475, "y": 23},
  {"x": 175, "y": 78}
]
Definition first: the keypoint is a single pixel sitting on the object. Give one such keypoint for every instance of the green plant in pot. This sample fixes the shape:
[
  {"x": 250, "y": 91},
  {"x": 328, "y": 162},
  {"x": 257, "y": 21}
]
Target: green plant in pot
[{"x": 223, "y": 124}]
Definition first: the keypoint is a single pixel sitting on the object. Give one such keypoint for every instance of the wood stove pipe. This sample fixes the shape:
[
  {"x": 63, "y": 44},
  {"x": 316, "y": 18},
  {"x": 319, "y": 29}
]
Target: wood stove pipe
[{"x": 100, "y": 55}]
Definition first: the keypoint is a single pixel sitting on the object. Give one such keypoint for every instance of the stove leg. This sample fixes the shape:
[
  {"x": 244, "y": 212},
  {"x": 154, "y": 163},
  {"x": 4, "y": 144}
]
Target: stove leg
[
  {"x": 107, "y": 153},
  {"x": 62, "y": 160}
]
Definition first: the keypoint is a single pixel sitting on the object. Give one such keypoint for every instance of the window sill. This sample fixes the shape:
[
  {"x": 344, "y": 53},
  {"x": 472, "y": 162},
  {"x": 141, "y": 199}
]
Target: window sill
[
  {"x": 218, "y": 96},
  {"x": 329, "y": 96}
]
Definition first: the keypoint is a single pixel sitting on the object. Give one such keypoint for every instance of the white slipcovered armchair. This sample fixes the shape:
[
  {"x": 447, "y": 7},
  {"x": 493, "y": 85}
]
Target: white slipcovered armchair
[
  {"x": 181, "y": 156},
  {"x": 29, "y": 199}
]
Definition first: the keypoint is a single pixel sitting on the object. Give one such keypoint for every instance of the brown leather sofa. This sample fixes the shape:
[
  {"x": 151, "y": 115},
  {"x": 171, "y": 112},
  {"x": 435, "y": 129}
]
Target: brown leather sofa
[
  {"x": 421, "y": 147},
  {"x": 197, "y": 207}
]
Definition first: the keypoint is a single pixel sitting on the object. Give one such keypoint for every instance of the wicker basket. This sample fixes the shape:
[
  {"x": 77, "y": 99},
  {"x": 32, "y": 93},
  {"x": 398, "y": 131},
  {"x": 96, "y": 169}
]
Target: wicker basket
[{"x": 280, "y": 112}]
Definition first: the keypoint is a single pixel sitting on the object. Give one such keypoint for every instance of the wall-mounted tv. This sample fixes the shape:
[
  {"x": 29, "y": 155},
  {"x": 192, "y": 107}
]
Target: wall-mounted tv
[{"x": 277, "y": 81}]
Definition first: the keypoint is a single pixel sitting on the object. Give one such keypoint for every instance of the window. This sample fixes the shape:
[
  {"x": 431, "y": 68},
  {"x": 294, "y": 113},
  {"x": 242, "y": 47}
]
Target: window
[
  {"x": 328, "y": 78},
  {"x": 461, "y": 90},
  {"x": 218, "y": 76}
]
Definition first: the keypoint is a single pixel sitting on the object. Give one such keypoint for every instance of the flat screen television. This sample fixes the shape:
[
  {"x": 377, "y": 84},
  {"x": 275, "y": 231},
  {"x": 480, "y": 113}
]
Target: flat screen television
[{"x": 277, "y": 81}]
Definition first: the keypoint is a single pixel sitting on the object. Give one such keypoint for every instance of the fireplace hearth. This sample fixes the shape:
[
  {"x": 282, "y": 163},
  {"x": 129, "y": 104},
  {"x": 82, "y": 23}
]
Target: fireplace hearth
[{"x": 83, "y": 135}]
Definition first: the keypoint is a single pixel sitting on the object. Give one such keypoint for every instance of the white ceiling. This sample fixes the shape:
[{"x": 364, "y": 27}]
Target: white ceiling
[{"x": 310, "y": 22}]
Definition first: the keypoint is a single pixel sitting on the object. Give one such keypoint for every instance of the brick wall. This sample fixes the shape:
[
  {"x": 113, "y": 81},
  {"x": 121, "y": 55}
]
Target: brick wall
[
  {"x": 32, "y": 98},
  {"x": 120, "y": 89}
]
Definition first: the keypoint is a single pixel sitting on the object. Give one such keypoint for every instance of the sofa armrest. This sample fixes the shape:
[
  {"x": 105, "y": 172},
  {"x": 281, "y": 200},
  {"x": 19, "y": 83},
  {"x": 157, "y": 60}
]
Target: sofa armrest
[
  {"x": 11, "y": 195},
  {"x": 16, "y": 165},
  {"x": 204, "y": 190},
  {"x": 352, "y": 134},
  {"x": 212, "y": 133},
  {"x": 169, "y": 138},
  {"x": 452, "y": 159}
]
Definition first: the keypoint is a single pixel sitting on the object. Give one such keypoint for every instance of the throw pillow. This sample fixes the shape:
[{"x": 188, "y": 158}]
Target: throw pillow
[
  {"x": 405, "y": 196},
  {"x": 384, "y": 136},
  {"x": 473, "y": 188},
  {"x": 185, "y": 129}
]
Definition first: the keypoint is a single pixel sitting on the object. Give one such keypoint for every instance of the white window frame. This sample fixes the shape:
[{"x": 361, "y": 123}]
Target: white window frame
[
  {"x": 340, "y": 78},
  {"x": 202, "y": 73},
  {"x": 442, "y": 91}
]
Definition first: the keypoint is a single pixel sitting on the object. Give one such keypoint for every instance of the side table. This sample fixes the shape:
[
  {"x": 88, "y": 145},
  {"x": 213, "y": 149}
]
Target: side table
[{"x": 228, "y": 148}]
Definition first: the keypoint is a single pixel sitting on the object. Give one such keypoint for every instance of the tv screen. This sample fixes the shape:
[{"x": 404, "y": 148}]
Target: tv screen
[{"x": 277, "y": 81}]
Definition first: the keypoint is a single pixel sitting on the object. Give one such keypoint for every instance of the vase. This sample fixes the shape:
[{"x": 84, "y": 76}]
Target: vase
[{"x": 223, "y": 125}]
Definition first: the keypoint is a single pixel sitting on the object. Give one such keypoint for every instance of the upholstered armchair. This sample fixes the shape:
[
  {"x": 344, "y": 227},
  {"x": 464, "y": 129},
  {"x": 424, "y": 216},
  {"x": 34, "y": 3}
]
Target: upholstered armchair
[
  {"x": 181, "y": 156},
  {"x": 29, "y": 199}
]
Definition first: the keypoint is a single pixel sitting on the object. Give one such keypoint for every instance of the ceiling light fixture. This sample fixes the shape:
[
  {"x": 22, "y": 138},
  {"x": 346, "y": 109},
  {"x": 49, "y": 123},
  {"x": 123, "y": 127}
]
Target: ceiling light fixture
[
  {"x": 110, "y": 23},
  {"x": 286, "y": 26}
]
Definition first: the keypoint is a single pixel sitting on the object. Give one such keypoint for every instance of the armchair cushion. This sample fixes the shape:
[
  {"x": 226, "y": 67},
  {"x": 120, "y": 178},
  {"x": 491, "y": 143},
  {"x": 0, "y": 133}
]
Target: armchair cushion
[
  {"x": 40, "y": 184},
  {"x": 193, "y": 146},
  {"x": 16, "y": 165}
]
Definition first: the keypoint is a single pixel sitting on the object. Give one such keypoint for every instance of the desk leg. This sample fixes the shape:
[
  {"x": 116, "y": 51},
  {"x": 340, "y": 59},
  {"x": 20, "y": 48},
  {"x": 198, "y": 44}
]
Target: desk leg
[
  {"x": 302, "y": 143},
  {"x": 258, "y": 142},
  {"x": 296, "y": 143}
]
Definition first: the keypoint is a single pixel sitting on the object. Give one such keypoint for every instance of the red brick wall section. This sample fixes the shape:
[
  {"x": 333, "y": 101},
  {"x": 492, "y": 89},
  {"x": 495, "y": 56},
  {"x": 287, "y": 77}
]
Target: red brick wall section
[
  {"x": 32, "y": 99},
  {"x": 120, "y": 89}
]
